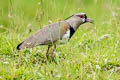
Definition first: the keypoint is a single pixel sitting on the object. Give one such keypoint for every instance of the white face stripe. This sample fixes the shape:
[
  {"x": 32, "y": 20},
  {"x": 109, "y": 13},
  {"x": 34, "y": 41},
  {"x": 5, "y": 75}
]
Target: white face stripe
[
  {"x": 83, "y": 20},
  {"x": 80, "y": 14}
]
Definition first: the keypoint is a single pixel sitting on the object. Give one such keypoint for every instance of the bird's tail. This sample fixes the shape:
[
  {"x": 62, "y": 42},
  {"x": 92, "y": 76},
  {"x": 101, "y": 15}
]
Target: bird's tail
[{"x": 19, "y": 46}]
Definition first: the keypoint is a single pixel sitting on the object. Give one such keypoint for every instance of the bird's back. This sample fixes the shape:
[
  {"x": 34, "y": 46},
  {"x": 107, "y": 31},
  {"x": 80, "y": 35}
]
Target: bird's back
[{"x": 47, "y": 35}]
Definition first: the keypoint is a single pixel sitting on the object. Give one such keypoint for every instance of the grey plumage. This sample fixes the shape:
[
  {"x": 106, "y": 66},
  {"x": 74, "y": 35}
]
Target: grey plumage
[
  {"x": 52, "y": 33},
  {"x": 47, "y": 35}
]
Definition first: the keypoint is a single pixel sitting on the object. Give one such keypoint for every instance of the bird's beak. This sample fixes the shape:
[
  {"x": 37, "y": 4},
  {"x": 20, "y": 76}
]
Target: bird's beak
[{"x": 89, "y": 20}]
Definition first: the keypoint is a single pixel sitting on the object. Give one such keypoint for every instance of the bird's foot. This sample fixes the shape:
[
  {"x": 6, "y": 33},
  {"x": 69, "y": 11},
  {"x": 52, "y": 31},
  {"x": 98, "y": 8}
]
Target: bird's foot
[{"x": 54, "y": 60}]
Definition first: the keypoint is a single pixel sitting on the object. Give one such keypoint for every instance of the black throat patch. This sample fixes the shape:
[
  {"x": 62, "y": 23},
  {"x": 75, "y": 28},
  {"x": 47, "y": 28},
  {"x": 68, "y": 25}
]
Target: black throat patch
[{"x": 72, "y": 31}]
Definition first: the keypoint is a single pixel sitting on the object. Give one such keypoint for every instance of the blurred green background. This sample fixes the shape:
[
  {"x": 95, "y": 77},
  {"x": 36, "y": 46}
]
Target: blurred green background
[{"x": 93, "y": 53}]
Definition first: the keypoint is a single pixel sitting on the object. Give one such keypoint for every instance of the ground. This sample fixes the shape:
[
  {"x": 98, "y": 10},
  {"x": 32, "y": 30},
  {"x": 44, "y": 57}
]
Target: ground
[{"x": 93, "y": 52}]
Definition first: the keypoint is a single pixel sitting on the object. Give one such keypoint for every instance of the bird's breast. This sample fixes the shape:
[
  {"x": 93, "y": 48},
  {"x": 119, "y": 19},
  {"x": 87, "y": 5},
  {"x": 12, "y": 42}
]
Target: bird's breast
[{"x": 65, "y": 38}]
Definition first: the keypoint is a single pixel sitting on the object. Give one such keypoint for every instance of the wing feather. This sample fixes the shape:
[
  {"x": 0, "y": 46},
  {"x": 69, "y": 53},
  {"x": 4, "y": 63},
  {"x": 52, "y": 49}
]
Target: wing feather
[{"x": 47, "y": 35}]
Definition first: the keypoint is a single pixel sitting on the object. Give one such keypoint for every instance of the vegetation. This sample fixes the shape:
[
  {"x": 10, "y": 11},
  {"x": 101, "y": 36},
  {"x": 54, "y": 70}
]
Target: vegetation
[{"x": 93, "y": 53}]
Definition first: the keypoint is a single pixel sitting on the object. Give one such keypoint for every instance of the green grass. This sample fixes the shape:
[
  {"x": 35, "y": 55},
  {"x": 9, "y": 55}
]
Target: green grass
[{"x": 93, "y": 53}]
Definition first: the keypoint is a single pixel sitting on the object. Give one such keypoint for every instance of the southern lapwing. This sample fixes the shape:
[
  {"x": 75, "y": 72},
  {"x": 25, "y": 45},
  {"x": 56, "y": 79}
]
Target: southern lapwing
[{"x": 59, "y": 32}]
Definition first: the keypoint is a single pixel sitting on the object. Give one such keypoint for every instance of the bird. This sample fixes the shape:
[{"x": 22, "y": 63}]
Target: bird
[{"x": 55, "y": 33}]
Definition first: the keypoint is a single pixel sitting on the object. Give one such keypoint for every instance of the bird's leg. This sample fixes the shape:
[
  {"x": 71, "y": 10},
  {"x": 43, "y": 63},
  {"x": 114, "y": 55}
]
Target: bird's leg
[
  {"x": 53, "y": 54},
  {"x": 47, "y": 53}
]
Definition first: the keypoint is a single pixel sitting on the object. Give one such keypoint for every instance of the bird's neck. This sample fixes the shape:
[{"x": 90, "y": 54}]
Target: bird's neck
[{"x": 75, "y": 23}]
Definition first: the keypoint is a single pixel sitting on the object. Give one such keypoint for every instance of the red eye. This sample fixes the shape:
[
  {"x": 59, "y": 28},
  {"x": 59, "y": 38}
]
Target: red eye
[{"x": 81, "y": 16}]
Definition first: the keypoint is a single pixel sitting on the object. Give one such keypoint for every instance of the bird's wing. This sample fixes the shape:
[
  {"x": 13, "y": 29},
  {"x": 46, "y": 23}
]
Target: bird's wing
[{"x": 48, "y": 34}]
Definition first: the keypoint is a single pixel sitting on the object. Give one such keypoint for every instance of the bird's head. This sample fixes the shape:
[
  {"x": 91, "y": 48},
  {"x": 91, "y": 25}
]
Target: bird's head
[
  {"x": 80, "y": 17},
  {"x": 83, "y": 17},
  {"x": 77, "y": 19}
]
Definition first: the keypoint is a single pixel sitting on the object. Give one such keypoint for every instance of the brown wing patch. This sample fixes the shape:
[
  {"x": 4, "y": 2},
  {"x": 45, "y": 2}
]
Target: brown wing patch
[{"x": 65, "y": 27}]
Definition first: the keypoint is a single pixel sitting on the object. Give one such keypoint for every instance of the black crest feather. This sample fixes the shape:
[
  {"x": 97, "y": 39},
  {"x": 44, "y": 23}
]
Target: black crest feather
[{"x": 68, "y": 17}]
